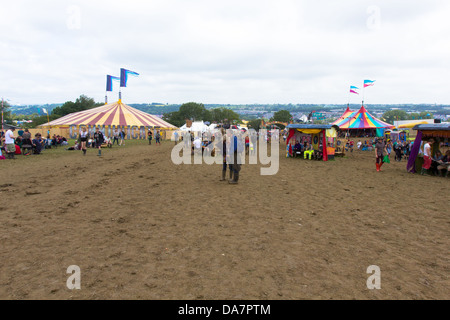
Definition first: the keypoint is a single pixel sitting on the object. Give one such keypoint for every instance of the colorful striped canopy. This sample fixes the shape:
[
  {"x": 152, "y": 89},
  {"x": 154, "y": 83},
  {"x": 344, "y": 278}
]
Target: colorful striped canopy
[
  {"x": 113, "y": 114},
  {"x": 362, "y": 120},
  {"x": 347, "y": 113}
]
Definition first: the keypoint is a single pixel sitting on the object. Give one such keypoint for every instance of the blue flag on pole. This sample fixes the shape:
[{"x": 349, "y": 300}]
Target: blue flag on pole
[
  {"x": 124, "y": 76},
  {"x": 109, "y": 80}
]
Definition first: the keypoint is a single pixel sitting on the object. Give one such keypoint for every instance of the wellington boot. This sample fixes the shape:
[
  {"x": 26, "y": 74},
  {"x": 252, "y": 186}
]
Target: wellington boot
[
  {"x": 224, "y": 173},
  {"x": 235, "y": 180},
  {"x": 378, "y": 167}
]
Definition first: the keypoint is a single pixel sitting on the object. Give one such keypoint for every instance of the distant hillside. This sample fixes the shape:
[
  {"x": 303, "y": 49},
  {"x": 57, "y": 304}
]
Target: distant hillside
[
  {"x": 31, "y": 109},
  {"x": 256, "y": 109}
]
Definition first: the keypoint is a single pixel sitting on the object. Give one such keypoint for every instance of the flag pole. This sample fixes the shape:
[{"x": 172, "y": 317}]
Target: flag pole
[
  {"x": 48, "y": 121},
  {"x": 348, "y": 103},
  {"x": 364, "y": 91}
]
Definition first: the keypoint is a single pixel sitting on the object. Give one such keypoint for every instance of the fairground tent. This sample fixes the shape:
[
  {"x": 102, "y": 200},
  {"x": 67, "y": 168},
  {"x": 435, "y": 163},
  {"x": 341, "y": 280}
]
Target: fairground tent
[
  {"x": 319, "y": 134},
  {"x": 362, "y": 120},
  {"x": 113, "y": 114}
]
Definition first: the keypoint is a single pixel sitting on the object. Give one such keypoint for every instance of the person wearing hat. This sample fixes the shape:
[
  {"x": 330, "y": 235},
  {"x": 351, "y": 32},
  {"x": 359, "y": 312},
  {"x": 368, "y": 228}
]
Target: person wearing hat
[{"x": 380, "y": 151}]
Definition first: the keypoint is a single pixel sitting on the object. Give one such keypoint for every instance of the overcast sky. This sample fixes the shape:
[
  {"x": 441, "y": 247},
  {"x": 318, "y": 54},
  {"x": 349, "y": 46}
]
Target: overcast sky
[{"x": 235, "y": 51}]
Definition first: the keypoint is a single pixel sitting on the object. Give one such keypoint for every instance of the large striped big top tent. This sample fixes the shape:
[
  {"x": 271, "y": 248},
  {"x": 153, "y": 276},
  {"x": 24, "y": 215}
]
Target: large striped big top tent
[
  {"x": 113, "y": 114},
  {"x": 362, "y": 120}
]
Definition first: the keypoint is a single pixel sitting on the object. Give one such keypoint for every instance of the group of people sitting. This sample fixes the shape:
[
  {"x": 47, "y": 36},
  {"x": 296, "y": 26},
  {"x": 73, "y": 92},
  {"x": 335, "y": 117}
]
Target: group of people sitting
[
  {"x": 304, "y": 150},
  {"x": 23, "y": 144},
  {"x": 56, "y": 141},
  {"x": 440, "y": 163}
]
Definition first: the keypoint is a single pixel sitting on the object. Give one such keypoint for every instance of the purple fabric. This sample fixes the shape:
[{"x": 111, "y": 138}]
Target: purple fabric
[{"x": 411, "y": 166}]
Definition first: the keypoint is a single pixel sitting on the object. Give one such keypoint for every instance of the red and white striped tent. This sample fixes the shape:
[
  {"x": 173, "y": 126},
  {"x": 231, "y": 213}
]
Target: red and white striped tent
[{"x": 114, "y": 114}]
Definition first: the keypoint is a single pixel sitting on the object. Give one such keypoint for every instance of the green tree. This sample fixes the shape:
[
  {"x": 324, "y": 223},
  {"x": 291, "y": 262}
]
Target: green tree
[
  {"x": 189, "y": 111},
  {"x": 193, "y": 111},
  {"x": 221, "y": 114},
  {"x": 174, "y": 118},
  {"x": 394, "y": 115},
  {"x": 38, "y": 120},
  {"x": 82, "y": 103},
  {"x": 254, "y": 124},
  {"x": 425, "y": 115},
  {"x": 282, "y": 116}
]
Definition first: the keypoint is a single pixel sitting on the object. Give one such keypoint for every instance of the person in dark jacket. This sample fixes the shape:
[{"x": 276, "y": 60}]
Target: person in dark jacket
[
  {"x": 230, "y": 166},
  {"x": 99, "y": 139},
  {"x": 236, "y": 167}
]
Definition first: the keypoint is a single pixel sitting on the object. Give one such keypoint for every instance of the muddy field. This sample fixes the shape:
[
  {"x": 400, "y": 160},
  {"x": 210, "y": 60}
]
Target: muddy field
[{"x": 140, "y": 227}]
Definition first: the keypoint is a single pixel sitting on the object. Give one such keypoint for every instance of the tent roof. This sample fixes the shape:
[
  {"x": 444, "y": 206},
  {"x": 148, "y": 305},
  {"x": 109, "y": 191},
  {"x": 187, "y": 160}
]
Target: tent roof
[
  {"x": 113, "y": 114},
  {"x": 412, "y": 124},
  {"x": 433, "y": 127},
  {"x": 362, "y": 119},
  {"x": 347, "y": 113},
  {"x": 195, "y": 126}
]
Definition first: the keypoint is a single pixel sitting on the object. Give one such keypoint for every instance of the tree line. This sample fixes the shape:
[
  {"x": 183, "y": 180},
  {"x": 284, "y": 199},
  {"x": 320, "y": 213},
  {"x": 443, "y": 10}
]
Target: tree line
[{"x": 197, "y": 112}]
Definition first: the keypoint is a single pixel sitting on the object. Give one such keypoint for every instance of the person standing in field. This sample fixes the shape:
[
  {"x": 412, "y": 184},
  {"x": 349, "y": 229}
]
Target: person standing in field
[
  {"x": 122, "y": 137},
  {"x": 380, "y": 151},
  {"x": 83, "y": 139},
  {"x": 158, "y": 138},
  {"x": 427, "y": 156},
  {"x": 150, "y": 136},
  {"x": 9, "y": 143},
  {"x": 224, "y": 153},
  {"x": 175, "y": 135},
  {"x": 236, "y": 167},
  {"x": 99, "y": 139},
  {"x": 116, "y": 136}
]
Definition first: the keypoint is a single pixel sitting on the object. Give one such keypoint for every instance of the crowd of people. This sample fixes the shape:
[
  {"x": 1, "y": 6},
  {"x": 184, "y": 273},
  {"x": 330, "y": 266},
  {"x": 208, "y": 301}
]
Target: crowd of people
[
  {"x": 401, "y": 149},
  {"x": 23, "y": 143},
  {"x": 304, "y": 149}
]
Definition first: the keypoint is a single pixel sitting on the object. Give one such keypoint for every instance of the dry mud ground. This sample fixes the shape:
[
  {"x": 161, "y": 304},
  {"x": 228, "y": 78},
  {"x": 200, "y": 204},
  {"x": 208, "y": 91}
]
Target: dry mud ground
[{"x": 140, "y": 227}]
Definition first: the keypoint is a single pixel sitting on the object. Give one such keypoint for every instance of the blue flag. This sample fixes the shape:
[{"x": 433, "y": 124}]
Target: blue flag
[
  {"x": 124, "y": 76},
  {"x": 109, "y": 80}
]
